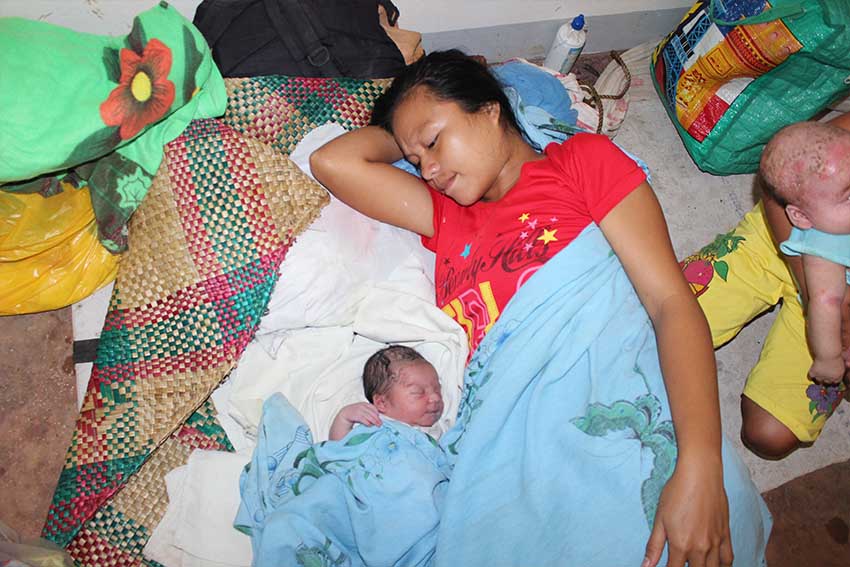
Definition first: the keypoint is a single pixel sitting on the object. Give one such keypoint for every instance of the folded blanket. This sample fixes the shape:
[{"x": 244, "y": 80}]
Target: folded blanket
[
  {"x": 98, "y": 111},
  {"x": 372, "y": 498},
  {"x": 573, "y": 355}
]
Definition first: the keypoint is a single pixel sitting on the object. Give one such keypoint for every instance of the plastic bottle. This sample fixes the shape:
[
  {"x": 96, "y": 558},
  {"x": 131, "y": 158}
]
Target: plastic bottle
[{"x": 567, "y": 46}]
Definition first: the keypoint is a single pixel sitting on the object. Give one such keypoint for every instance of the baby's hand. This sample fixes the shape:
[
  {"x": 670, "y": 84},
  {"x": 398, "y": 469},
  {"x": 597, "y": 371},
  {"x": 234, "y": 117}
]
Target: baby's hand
[
  {"x": 361, "y": 412},
  {"x": 827, "y": 370}
]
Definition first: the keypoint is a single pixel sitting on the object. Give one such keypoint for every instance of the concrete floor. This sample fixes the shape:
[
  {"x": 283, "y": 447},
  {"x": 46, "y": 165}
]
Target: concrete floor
[{"x": 38, "y": 408}]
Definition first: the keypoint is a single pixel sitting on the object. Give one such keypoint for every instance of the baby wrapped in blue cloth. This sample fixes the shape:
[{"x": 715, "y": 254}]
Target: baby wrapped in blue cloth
[{"x": 372, "y": 495}]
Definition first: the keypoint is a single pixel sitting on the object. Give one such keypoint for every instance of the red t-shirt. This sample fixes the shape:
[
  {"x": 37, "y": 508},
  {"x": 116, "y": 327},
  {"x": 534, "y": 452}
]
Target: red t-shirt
[{"x": 486, "y": 251}]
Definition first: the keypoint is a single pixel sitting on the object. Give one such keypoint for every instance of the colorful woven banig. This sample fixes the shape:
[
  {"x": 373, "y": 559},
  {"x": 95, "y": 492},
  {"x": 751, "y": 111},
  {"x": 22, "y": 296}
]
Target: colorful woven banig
[
  {"x": 205, "y": 248},
  {"x": 279, "y": 110},
  {"x": 118, "y": 531}
]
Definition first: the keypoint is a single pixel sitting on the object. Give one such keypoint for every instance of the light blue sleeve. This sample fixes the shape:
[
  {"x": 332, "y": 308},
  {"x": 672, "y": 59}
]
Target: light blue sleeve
[{"x": 832, "y": 247}]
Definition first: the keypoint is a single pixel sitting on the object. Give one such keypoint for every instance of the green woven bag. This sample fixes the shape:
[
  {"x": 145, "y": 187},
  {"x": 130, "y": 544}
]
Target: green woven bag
[{"x": 733, "y": 73}]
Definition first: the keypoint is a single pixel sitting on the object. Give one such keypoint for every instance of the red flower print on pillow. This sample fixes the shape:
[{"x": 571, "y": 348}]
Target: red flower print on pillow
[{"x": 144, "y": 94}]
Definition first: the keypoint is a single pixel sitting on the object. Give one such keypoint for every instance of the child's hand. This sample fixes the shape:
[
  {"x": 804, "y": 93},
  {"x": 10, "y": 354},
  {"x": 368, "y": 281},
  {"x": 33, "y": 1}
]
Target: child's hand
[
  {"x": 827, "y": 370},
  {"x": 361, "y": 412}
]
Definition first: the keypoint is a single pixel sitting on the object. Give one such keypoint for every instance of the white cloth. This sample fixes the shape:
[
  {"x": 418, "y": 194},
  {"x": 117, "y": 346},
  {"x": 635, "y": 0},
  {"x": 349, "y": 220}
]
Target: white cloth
[
  {"x": 197, "y": 529},
  {"x": 236, "y": 433},
  {"x": 349, "y": 286},
  {"x": 330, "y": 266},
  {"x": 319, "y": 370},
  {"x": 160, "y": 547}
]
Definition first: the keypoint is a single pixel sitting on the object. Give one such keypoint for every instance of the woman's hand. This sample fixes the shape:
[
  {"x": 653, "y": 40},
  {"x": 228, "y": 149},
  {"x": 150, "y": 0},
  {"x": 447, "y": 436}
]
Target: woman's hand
[
  {"x": 361, "y": 412},
  {"x": 692, "y": 518}
]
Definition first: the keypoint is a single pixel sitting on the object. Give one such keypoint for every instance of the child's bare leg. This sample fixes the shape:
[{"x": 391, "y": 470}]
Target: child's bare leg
[{"x": 763, "y": 434}]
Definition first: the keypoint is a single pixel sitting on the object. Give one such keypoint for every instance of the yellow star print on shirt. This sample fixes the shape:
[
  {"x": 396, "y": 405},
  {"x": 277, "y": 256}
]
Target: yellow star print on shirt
[
  {"x": 523, "y": 217},
  {"x": 548, "y": 236}
]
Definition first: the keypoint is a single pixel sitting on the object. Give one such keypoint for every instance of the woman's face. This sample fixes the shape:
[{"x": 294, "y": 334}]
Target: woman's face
[{"x": 458, "y": 153}]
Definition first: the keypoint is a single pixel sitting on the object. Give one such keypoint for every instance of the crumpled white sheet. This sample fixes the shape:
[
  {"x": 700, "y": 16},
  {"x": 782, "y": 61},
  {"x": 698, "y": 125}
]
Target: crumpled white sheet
[
  {"x": 349, "y": 286},
  {"x": 197, "y": 529}
]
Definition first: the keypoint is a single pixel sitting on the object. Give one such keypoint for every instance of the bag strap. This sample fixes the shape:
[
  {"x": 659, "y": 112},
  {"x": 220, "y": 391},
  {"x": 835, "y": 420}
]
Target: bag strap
[
  {"x": 307, "y": 42},
  {"x": 776, "y": 12}
]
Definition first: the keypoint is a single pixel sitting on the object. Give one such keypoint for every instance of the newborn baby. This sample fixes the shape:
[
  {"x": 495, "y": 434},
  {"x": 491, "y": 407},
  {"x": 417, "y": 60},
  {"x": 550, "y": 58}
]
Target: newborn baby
[{"x": 400, "y": 384}]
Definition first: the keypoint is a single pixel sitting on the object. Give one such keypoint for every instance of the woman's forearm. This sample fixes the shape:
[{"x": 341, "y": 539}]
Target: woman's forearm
[
  {"x": 685, "y": 350},
  {"x": 690, "y": 375},
  {"x": 356, "y": 168}
]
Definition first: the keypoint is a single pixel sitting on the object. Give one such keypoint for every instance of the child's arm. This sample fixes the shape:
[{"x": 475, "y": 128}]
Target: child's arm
[
  {"x": 780, "y": 228},
  {"x": 356, "y": 168},
  {"x": 362, "y": 412},
  {"x": 693, "y": 512},
  {"x": 826, "y": 286}
]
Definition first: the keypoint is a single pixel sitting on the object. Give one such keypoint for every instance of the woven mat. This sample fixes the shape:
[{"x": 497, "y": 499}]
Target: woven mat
[{"x": 205, "y": 247}]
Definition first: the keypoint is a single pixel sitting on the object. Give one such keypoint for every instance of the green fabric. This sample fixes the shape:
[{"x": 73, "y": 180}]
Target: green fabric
[{"x": 97, "y": 110}]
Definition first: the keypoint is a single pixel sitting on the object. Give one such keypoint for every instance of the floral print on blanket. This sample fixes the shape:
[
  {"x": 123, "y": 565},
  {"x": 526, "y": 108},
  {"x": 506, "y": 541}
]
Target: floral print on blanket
[
  {"x": 641, "y": 419},
  {"x": 144, "y": 94},
  {"x": 118, "y": 101},
  {"x": 320, "y": 556}
]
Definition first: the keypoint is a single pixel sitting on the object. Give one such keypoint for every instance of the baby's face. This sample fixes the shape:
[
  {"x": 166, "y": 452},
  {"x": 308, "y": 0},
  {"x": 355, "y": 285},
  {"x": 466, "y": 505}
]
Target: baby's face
[
  {"x": 829, "y": 209},
  {"x": 414, "y": 397},
  {"x": 827, "y": 186}
]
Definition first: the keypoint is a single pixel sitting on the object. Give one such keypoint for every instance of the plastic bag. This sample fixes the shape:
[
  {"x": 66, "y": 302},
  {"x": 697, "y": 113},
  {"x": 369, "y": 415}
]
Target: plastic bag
[
  {"x": 50, "y": 256},
  {"x": 733, "y": 73},
  {"x": 15, "y": 552}
]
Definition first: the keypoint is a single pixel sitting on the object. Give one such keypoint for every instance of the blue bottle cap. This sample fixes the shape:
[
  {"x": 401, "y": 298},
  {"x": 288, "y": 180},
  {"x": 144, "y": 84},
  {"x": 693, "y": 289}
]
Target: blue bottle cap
[{"x": 578, "y": 22}]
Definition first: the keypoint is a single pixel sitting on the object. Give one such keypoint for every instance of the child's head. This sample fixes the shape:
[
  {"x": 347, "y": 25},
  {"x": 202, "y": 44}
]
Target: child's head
[
  {"x": 403, "y": 386},
  {"x": 452, "y": 119},
  {"x": 806, "y": 168}
]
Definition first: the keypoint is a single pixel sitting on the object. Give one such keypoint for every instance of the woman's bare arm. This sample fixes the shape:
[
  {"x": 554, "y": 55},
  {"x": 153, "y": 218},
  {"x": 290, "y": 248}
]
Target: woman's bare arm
[
  {"x": 356, "y": 168},
  {"x": 693, "y": 513}
]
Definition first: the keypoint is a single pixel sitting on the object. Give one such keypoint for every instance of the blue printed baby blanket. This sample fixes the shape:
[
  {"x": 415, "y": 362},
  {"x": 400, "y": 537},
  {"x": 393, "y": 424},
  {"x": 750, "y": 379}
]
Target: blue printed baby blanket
[{"x": 372, "y": 498}]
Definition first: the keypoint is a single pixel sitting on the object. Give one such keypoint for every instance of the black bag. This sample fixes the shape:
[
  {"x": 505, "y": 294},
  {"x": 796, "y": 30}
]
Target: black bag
[{"x": 306, "y": 38}]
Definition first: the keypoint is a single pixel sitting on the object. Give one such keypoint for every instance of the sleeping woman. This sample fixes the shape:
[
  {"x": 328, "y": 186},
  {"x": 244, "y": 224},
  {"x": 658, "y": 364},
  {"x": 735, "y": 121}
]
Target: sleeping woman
[{"x": 590, "y": 428}]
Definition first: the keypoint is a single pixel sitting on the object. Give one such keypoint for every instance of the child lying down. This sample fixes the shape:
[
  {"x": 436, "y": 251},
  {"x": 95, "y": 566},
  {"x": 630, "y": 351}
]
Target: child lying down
[
  {"x": 399, "y": 383},
  {"x": 370, "y": 496}
]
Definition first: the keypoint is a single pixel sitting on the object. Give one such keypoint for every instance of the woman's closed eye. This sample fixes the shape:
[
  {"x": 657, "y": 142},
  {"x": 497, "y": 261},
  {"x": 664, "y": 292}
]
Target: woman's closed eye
[{"x": 433, "y": 142}]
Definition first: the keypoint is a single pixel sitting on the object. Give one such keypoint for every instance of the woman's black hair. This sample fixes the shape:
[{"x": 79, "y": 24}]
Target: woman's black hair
[{"x": 449, "y": 76}]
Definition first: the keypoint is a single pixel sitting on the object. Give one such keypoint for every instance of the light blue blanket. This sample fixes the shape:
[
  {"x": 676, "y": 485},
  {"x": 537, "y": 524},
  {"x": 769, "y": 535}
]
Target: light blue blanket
[
  {"x": 564, "y": 438},
  {"x": 373, "y": 498}
]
